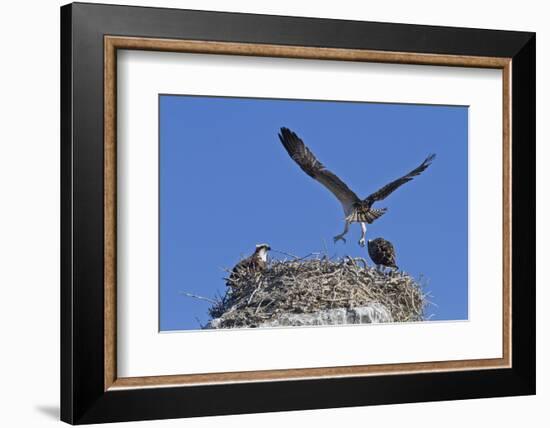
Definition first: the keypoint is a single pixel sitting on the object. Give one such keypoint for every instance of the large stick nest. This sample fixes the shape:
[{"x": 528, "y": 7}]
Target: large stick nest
[{"x": 315, "y": 284}]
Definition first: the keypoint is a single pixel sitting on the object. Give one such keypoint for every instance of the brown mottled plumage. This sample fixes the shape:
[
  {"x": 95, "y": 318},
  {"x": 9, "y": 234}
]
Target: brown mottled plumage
[
  {"x": 382, "y": 252},
  {"x": 356, "y": 210},
  {"x": 257, "y": 262}
]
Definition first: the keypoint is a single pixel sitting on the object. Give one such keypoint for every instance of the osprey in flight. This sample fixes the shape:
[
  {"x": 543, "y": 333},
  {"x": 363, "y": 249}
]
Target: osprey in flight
[
  {"x": 382, "y": 252},
  {"x": 257, "y": 262},
  {"x": 356, "y": 210}
]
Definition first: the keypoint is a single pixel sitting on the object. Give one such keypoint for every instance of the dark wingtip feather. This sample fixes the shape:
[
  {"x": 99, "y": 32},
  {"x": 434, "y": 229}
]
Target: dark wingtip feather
[
  {"x": 289, "y": 140},
  {"x": 429, "y": 159},
  {"x": 287, "y": 133}
]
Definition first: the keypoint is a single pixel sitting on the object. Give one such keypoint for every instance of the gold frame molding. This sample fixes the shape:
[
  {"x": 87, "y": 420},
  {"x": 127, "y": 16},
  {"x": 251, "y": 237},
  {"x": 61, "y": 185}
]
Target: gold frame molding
[{"x": 113, "y": 43}]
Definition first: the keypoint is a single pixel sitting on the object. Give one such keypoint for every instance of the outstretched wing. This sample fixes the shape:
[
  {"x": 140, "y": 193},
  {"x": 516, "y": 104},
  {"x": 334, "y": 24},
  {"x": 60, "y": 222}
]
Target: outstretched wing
[
  {"x": 299, "y": 152},
  {"x": 390, "y": 187}
]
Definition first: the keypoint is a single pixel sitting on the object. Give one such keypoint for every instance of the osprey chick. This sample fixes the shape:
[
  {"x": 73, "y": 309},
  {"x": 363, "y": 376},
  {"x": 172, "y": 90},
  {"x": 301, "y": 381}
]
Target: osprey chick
[
  {"x": 257, "y": 262},
  {"x": 356, "y": 210},
  {"x": 382, "y": 252}
]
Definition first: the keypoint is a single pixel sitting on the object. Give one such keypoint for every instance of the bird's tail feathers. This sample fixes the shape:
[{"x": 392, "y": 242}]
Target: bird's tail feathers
[{"x": 366, "y": 216}]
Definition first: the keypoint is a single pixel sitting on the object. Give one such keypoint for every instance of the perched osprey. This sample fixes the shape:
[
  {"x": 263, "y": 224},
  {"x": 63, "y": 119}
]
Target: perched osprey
[
  {"x": 356, "y": 210},
  {"x": 257, "y": 262},
  {"x": 382, "y": 252}
]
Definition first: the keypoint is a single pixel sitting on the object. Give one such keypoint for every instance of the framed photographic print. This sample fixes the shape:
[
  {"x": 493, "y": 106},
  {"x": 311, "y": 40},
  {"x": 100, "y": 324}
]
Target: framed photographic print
[{"x": 265, "y": 213}]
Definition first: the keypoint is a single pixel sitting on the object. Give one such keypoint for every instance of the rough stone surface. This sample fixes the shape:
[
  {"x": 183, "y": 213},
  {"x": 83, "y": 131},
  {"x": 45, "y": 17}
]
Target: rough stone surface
[{"x": 373, "y": 313}]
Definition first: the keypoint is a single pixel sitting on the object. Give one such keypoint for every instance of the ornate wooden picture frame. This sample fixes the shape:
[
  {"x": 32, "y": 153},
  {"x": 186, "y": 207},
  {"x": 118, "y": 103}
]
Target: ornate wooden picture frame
[{"x": 91, "y": 389}]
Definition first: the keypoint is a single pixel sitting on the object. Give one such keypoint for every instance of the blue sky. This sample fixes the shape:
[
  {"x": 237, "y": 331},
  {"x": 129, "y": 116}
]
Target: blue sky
[{"x": 226, "y": 184}]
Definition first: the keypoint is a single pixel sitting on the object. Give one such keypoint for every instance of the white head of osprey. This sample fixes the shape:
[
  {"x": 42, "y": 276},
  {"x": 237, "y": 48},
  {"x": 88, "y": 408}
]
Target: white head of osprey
[{"x": 261, "y": 251}]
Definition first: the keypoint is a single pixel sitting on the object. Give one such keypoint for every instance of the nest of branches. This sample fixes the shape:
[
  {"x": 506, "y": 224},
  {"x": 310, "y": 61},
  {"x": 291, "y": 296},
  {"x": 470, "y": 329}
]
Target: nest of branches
[{"x": 315, "y": 284}]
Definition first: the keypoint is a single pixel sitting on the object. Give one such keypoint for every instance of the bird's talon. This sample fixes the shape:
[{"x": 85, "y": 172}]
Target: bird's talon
[
  {"x": 339, "y": 238},
  {"x": 362, "y": 242}
]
